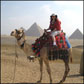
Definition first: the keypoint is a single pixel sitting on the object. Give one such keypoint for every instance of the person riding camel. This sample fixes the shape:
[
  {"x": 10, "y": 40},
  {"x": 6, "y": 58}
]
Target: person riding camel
[{"x": 54, "y": 27}]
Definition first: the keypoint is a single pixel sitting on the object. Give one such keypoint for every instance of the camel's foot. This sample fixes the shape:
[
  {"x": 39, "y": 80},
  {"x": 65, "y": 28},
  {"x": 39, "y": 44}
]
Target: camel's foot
[
  {"x": 50, "y": 81},
  {"x": 38, "y": 82},
  {"x": 61, "y": 81}
]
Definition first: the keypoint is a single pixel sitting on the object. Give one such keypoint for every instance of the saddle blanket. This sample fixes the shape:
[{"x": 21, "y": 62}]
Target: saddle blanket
[
  {"x": 61, "y": 40},
  {"x": 55, "y": 54},
  {"x": 40, "y": 42}
]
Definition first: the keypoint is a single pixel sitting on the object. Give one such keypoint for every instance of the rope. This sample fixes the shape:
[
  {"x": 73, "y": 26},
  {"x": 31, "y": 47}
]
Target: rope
[{"x": 16, "y": 56}]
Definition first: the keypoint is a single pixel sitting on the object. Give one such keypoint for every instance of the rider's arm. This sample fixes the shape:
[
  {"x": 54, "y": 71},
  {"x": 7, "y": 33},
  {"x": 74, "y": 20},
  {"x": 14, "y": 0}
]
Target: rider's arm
[{"x": 50, "y": 27}]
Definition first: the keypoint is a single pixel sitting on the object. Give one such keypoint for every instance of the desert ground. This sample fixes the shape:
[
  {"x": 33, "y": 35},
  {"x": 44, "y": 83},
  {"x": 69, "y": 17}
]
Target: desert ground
[{"x": 29, "y": 72}]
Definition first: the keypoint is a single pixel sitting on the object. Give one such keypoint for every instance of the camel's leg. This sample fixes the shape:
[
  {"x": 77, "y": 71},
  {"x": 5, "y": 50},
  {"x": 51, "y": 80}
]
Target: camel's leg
[
  {"x": 41, "y": 69},
  {"x": 67, "y": 69},
  {"x": 46, "y": 61}
]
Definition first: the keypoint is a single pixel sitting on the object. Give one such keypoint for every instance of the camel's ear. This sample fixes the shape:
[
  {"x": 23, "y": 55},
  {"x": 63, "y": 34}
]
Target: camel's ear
[{"x": 17, "y": 31}]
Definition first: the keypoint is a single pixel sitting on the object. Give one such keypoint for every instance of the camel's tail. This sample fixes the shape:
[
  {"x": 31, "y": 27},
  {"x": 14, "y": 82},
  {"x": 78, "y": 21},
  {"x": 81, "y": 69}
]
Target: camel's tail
[{"x": 70, "y": 51}]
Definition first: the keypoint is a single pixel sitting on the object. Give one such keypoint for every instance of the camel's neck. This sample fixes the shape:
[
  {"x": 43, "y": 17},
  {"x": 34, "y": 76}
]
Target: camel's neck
[{"x": 25, "y": 47}]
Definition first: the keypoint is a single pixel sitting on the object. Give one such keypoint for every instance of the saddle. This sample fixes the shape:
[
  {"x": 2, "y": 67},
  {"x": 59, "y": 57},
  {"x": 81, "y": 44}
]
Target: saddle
[{"x": 46, "y": 41}]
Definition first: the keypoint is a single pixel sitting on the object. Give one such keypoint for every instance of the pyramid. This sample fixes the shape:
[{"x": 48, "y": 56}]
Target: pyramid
[
  {"x": 76, "y": 35},
  {"x": 34, "y": 30}
]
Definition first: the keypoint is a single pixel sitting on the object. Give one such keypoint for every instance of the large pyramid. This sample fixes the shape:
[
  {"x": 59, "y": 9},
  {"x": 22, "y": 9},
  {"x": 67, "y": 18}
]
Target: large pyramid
[
  {"x": 76, "y": 35},
  {"x": 34, "y": 30}
]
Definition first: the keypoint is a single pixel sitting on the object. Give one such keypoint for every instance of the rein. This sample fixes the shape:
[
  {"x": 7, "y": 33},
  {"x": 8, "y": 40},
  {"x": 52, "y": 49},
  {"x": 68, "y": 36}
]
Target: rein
[
  {"x": 16, "y": 56},
  {"x": 22, "y": 45},
  {"x": 20, "y": 37}
]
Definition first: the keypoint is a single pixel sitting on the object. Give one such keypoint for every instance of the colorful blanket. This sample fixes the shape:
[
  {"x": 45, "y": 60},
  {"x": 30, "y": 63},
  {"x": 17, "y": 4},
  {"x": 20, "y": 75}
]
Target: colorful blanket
[
  {"x": 40, "y": 42},
  {"x": 61, "y": 40}
]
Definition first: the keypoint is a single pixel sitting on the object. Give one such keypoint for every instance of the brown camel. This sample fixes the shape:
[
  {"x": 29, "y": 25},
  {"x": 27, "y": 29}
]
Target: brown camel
[{"x": 20, "y": 36}]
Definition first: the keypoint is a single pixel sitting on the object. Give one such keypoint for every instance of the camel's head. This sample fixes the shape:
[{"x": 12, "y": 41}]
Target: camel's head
[{"x": 17, "y": 33}]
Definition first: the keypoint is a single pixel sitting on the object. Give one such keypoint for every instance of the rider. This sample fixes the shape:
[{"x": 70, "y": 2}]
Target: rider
[{"x": 55, "y": 27}]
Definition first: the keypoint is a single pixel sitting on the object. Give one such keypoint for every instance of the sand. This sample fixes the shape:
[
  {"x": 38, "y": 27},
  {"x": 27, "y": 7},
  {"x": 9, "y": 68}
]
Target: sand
[{"x": 29, "y": 72}]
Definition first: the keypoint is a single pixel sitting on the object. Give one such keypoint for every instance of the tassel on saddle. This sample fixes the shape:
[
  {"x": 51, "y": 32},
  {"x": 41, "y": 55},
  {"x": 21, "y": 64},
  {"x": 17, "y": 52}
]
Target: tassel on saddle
[{"x": 55, "y": 53}]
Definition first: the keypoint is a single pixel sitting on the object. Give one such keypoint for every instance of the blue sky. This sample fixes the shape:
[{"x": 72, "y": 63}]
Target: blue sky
[{"x": 16, "y": 14}]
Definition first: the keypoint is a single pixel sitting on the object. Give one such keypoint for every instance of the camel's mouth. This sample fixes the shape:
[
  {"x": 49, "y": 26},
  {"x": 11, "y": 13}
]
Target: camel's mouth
[{"x": 12, "y": 33}]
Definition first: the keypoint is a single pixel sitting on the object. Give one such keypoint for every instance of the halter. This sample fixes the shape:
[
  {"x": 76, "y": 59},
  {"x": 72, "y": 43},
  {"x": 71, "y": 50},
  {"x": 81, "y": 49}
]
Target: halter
[
  {"x": 22, "y": 45},
  {"x": 20, "y": 37}
]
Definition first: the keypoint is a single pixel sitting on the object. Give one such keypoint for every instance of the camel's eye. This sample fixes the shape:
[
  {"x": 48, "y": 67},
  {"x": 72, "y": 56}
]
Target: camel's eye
[{"x": 12, "y": 32}]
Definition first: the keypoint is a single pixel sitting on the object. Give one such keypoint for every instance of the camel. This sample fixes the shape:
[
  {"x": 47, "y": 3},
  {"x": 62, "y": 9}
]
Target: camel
[{"x": 20, "y": 36}]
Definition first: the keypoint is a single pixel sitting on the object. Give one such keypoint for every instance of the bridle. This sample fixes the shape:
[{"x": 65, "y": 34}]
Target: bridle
[{"x": 21, "y": 38}]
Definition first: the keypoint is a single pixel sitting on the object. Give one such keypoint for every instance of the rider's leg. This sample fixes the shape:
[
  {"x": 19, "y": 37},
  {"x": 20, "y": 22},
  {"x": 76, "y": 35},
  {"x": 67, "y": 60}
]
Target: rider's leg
[
  {"x": 53, "y": 34},
  {"x": 54, "y": 40}
]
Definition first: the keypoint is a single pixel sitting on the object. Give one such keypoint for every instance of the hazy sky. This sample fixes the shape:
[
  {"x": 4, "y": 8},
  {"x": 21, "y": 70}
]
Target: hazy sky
[{"x": 16, "y": 14}]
